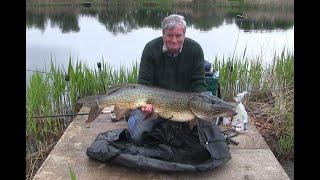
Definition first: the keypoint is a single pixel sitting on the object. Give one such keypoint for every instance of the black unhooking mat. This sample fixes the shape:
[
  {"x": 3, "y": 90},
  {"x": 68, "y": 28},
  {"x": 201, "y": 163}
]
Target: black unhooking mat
[{"x": 170, "y": 146}]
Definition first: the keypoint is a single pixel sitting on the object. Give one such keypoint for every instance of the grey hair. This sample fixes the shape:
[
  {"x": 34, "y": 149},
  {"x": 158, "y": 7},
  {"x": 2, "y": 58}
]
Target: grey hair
[{"x": 172, "y": 21}]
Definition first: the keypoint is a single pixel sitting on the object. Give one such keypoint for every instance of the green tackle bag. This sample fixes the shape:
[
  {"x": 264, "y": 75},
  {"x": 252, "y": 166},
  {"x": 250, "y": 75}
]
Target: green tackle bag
[{"x": 211, "y": 79}]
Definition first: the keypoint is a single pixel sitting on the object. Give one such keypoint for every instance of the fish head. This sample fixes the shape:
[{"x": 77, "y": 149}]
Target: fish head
[{"x": 208, "y": 107}]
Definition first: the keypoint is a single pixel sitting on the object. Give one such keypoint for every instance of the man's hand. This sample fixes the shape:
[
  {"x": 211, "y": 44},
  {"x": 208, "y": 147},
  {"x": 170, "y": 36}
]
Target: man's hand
[{"x": 147, "y": 110}]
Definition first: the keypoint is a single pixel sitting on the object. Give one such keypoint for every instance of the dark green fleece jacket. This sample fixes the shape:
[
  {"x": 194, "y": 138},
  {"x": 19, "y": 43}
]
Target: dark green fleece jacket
[{"x": 184, "y": 72}]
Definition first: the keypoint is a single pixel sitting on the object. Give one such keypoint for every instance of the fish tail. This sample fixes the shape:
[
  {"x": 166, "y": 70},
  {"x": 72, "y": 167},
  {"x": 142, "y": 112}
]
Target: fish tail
[{"x": 94, "y": 112}]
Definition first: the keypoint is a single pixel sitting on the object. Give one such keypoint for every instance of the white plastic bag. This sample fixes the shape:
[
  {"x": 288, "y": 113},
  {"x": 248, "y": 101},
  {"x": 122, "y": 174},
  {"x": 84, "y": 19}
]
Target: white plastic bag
[{"x": 239, "y": 122}]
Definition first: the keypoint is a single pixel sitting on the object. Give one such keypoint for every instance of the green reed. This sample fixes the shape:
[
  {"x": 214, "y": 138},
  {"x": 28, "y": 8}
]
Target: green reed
[
  {"x": 72, "y": 173},
  {"x": 235, "y": 76},
  {"x": 37, "y": 103}
]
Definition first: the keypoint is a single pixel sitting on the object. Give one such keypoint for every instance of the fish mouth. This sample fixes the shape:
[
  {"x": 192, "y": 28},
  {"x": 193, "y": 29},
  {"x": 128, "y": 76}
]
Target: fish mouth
[{"x": 227, "y": 111}]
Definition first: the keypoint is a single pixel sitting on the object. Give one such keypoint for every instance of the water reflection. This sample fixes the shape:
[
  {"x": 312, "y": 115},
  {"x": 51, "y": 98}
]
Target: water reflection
[
  {"x": 117, "y": 20},
  {"x": 124, "y": 19},
  {"x": 65, "y": 18},
  {"x": 118, "y": 33}
]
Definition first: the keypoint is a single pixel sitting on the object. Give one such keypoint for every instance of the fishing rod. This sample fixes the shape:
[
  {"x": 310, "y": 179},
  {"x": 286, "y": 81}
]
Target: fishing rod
[
  {"x": 38, "y": 71},
  {"x": 74, "y": 114},
  {"x": 240, "y": 18}
]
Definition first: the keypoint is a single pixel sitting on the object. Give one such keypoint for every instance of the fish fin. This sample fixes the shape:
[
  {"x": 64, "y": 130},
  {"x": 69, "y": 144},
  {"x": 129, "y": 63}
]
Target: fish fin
[
  {"x": 87, "y": 101},
  {"x": 94, "y": 112},
  {"x": 121, "y": 113},
  {"x": 117, "y": 87},
  {"x": 193, "y": 123}
]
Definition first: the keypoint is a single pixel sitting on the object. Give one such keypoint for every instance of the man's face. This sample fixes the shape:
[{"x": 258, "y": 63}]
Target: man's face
[{"x": 173, "y": 38}]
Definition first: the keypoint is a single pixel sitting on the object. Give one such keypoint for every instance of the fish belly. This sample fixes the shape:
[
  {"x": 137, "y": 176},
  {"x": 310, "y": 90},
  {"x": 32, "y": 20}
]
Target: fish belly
[{"x": 179, "y": 116}]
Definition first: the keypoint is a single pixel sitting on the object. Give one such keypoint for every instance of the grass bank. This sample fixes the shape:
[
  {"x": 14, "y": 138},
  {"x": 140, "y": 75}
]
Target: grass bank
[{"x": 269, "y": 101}]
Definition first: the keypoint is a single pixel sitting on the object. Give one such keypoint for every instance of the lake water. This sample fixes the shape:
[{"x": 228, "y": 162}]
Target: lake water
[{"x": 118, "y": 34}]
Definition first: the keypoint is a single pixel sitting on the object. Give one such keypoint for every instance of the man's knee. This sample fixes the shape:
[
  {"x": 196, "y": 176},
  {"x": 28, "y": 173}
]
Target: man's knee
[{"x": 134, "y": 126}]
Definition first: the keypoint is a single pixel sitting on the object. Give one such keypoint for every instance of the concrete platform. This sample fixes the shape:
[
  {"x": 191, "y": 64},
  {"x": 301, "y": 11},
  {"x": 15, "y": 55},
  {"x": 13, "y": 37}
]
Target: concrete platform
[{"x": 251, "y": 159}]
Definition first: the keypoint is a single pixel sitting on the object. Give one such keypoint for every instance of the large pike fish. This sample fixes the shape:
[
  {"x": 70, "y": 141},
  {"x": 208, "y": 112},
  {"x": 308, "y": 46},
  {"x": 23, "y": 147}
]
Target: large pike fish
[{"x": 171, "y": 105}]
